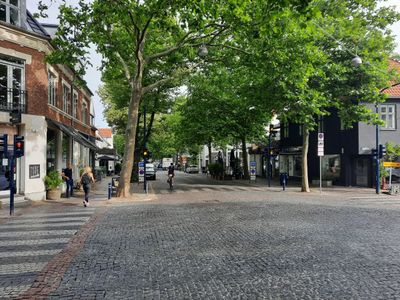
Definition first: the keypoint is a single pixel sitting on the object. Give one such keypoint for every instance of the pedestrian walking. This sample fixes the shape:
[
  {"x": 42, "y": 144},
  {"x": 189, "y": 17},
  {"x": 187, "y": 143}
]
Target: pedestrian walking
[
  {"x": 67, "y": 176},
  {"x": 86, "y": 180}
]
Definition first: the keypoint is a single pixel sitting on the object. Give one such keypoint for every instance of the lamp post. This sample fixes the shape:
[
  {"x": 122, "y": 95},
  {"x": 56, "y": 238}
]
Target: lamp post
[
  {"x": 378, "y": 162},
  {"x": 269, "y": 155},
  {"x": 356, "y": 62},
  {"x": 144, "y": 147}
]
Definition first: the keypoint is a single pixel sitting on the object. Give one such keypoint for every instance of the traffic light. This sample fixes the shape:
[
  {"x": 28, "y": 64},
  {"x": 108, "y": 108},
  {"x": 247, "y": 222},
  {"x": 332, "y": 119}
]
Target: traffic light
[
  {"x": 4, "y": 145},
  {"x": 146, "y": 153},
  {"x": 19, "y": 145},
  {"x": 382, "y": 151},
  {"x": 15, "y": 117}
]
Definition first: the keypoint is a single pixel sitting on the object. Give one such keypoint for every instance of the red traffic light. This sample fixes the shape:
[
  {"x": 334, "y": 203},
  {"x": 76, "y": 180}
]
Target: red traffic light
[{"x": 18, "y": 146}]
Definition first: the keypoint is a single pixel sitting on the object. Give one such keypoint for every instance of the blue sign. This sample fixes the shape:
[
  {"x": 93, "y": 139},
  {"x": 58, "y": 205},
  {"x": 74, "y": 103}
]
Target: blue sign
[
  {"x": 253, "y": 171},
  {"x": 141, "y": 164},
  {"x": 253, "y": 164}
]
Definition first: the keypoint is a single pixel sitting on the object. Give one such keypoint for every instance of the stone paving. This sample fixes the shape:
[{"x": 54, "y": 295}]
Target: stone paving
[
  {"x": 238, "y": 250},
  {"x": 206, "y": 242}
]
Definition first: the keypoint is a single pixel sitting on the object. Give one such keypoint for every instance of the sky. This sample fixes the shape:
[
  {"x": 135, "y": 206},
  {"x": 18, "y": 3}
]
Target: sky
[{"x": 93, "y": 74}]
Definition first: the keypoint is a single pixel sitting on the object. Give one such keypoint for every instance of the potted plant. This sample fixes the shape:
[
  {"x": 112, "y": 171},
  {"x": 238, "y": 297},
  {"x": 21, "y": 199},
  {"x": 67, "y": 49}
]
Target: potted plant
[{"x": 53, "y": 181}]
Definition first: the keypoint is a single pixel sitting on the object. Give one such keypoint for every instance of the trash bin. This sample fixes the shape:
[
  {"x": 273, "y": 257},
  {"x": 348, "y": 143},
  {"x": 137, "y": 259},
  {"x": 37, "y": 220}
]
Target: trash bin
[{"x": 283, "y": 179}]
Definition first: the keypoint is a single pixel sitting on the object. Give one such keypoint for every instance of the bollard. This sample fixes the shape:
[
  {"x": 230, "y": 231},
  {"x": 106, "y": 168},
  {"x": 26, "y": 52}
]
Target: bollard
[
  {"x": 109, "y": 191},
  {"x": 283, "y": 178}
]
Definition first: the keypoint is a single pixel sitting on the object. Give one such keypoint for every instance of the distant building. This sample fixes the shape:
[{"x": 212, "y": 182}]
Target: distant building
[
  {"x": 57, "y": 116},
  {"x": 106, "y": 157}
]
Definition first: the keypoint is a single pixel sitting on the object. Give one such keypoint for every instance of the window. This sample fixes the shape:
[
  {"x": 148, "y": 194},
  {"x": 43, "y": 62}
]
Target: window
[
  {"x": 388, "y": 115},
  {"x": 12, "y": 84},
  {"x": 66, "y": 99},
  {"x": 52, "y": 89},
  {"x": 91, "y": 120},
  {"x": 75, "y": 104},
  {"x": 84, "y": 112},
  {"x": 10, "y": 11},
  {"x": 285, "y": 130}
]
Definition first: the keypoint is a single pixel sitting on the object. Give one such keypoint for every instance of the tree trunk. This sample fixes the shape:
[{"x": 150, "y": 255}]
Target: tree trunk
[
  {"x": 245, "y": 162},
  {"x": 130, "y": 135},
  {"x": 304, "y": 161},
  {"x": 209, "y": 152},
  {"x": 150, "y": 126}
]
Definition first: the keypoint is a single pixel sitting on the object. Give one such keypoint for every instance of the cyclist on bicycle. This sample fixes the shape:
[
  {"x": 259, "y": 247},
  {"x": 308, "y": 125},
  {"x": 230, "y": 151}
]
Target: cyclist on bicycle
[{"x": 171, "y": 173}]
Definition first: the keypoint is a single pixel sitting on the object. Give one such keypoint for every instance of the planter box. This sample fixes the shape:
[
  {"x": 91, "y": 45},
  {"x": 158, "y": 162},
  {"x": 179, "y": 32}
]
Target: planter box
[{"x": 53, "y": 194}]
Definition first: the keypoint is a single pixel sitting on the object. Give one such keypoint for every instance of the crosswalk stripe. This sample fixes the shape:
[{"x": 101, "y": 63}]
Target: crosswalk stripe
[
  {"x": 85, "y": 211},
  {"x": 21, "y": 268},
  {"x": 44, "y": 226},
  {"x": 33, "y": 242},
  {"x": 29, "y": 253},
  {"x": 53, "y": 220},
  {"x": 36, "y": 233}
]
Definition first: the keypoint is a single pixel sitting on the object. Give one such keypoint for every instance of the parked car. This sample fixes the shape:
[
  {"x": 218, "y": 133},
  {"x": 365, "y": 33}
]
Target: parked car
[
  {"x": 150, "y": 171},
  {"x": 192, "y": 169}
]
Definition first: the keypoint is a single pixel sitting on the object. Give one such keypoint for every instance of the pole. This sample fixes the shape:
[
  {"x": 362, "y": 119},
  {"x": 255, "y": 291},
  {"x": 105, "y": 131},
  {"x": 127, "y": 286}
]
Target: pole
[
  {"x": 320, "y": 174},
  {"x": 269, "y": 160},
  {"x": 11, "y": 185},
  {"x": 378, "y": 186},
  {"x": 144, "y": 147}
]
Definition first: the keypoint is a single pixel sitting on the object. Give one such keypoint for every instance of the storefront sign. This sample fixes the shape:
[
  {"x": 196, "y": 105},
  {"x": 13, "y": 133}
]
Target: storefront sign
[{"x": 34, "y": 171}]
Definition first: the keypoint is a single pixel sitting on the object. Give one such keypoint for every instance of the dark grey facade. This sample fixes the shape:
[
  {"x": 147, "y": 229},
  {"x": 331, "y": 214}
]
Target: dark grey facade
[{"x": 348, "y": 152}]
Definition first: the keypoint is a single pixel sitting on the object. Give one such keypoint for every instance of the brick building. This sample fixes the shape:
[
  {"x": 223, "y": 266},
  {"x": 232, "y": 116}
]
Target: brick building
[{"x": 57, "y": 116}]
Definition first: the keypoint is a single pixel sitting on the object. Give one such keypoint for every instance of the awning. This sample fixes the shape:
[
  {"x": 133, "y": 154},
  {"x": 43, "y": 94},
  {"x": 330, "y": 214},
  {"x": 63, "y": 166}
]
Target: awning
[
  {"x": 90, "y": 144},
  {"x": 105, "y": 157},
  {"x": 73, "y": 133}
]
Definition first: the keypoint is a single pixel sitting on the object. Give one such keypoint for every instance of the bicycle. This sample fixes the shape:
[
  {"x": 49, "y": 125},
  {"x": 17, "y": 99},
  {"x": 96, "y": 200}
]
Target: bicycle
[{"x": 171, "y": 186}]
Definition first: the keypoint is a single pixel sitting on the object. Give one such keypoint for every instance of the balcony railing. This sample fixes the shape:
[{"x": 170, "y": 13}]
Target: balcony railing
[{"x": 13, "y": 99}]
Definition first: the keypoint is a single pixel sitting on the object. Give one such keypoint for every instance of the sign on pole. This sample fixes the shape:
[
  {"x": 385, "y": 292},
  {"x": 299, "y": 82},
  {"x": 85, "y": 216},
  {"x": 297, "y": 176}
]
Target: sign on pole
[
  {"x": 320, "y": 154},
  {"x": 253, "y": 170},
  {"x": 320, "y": 144},
  {"x": 141, "y": 171},
  {"x": 391, "y": 164}
]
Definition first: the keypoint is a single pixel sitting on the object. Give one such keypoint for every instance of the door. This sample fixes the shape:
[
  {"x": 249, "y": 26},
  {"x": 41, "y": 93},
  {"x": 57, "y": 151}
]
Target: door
[{"x": 362, "y": 171}]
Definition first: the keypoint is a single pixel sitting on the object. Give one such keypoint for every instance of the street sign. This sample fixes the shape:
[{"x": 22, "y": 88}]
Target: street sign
[
  {"x": 391, "y": 164},
  {"x": 320, "y": 144},
  {"x": 141, "y": 171},
  {"x": 253, "y": 170}
]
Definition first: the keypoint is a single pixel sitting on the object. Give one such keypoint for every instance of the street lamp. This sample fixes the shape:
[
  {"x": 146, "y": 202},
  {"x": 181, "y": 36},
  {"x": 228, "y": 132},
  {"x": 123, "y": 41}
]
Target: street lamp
[
  {"x": 356, "y": 62},
  {"x": 203, "y": 51}
]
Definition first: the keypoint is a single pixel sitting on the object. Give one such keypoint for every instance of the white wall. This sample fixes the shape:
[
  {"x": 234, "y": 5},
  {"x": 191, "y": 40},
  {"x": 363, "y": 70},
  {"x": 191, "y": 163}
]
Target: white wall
[{"x": 34, "y": 129}]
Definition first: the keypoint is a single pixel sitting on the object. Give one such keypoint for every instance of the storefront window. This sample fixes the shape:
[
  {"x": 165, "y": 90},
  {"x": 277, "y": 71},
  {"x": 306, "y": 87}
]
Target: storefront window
[
  {"x": 65, "y": 150},
  {"x": 51, "y": 151}
]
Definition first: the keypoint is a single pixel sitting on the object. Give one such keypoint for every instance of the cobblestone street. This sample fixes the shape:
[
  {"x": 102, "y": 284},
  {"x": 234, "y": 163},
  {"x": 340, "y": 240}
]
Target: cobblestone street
[{"x": 218, "y": 244}]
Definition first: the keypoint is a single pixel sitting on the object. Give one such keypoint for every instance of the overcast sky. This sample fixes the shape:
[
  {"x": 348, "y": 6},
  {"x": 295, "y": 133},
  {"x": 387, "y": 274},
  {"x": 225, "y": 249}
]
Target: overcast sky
[{"x": 93, "y": 74}]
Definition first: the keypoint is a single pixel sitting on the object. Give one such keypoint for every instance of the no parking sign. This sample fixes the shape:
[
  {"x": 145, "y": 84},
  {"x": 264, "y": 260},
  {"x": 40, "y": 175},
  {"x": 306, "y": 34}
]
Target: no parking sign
[
  {"x": 141, "y": 171},
  {"x": 253, "y": 170}
]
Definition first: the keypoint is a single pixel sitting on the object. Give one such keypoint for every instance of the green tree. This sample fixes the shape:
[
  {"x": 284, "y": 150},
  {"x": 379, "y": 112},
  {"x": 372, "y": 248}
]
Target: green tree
[
  {"x": 143, "y": 36},
  {"x": 308, "y": 64}
]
